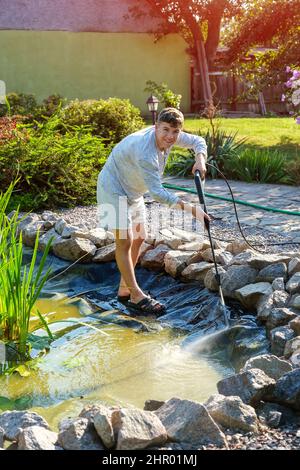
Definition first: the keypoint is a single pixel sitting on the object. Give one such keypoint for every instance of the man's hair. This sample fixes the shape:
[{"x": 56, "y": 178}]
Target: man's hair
[{"x": 172, "y": 116}]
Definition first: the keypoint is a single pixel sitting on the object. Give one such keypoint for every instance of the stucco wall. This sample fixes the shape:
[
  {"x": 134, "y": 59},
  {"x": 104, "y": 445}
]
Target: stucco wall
[
  {"x": 73, "y": 15},
  {"x": 92, "y": 65}
]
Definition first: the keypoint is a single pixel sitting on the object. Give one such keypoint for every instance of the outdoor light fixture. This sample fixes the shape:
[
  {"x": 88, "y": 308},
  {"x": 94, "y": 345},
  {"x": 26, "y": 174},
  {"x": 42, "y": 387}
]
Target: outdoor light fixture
[{"x": 152, "y": 103}]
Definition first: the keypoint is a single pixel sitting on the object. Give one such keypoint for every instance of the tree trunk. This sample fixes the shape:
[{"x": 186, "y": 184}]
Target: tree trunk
[
  {"x": 203, "y": 67},
  {"x": 215, "y": 16}
]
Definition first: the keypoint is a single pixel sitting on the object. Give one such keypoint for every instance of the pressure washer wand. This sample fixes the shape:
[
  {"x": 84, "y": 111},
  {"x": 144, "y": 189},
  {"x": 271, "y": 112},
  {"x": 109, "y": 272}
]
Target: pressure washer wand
[{"x": 202, "y": 201}]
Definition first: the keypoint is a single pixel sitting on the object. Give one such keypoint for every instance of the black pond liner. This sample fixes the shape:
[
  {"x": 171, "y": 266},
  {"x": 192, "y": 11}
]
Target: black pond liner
[{"x": 192, "y": 310}]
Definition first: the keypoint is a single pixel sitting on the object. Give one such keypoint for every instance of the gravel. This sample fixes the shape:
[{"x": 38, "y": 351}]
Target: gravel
[{"x": 160, "y": 216}]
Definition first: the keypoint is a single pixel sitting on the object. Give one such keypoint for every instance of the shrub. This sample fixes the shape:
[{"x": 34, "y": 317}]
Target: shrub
[
  {"x": 54, "y": 169},
  {"x": 111, "y": 119},
  {"x": 164, "y": 94},
  {"x": 293, "y": 171},
  {"x": 262, "y": 166},
  {"x": 19, "y": 103},
  {"x": 220, "y": 146}
]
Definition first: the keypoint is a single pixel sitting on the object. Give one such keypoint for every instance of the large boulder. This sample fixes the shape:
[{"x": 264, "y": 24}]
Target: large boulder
[
  {"x": 210, "y": 280},
  {"x": 251, "y": 386},
  {"x": 74, "y": 249},
  {"x": 232, "y": 413},
  {"x": 294, "y": 266},
  {"x": 279, "y": 317},
  {"x": 271, "y": 272},
  {"x": 189, "y": 421},
  {"x": 291, "y": 346},
  {"x": 271, "y": 365},
  {"x": 98, "y": 236},
  {"x": 13, "y": 422},
  {"x": 251, "y": 294},
  {"x": 105, "y": 254},
  {"x": 155, "y": 259},
  {"x": 287, "y": 390},
  {"x": 237, "y": 277},
  {"x": 103, "y": 423},
  {"x": 176, "y": 261},
  {"x": 293, "y": 285},
  {"x": 279, "y": 337},
  {"x": 37, "y": 438},
  {"x": 196, "y": 271},
  {"x": 137, "y": 429},
  {"x": 78, "y": 434},
  {"x": 266, "y": 303}
]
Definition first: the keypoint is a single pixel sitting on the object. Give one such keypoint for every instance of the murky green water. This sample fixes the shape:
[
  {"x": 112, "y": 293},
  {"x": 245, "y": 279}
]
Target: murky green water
[{"x": 115, "y": 365}]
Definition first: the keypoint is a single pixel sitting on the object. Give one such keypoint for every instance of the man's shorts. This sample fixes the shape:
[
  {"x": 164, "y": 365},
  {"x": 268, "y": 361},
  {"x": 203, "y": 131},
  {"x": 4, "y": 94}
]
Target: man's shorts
[{"x": 115, "y": 212}]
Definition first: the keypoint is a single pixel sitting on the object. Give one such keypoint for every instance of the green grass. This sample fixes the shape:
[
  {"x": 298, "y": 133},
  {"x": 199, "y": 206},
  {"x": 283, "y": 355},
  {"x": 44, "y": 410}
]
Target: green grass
[{"x": 281, "y": 134}]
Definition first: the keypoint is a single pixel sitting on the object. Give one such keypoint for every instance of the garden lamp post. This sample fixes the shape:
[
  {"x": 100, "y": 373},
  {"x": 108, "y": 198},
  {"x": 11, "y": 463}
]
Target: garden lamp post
[{"x": 152, "y": 103}]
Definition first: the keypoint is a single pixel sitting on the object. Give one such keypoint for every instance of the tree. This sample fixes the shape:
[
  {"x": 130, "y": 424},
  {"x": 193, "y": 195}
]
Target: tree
[
  {"x": 199, "y": 23},
  {"x": 271, "y": 23}
]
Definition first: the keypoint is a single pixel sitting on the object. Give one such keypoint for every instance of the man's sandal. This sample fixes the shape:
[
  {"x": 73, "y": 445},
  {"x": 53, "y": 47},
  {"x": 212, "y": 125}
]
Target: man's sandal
[
  {"x": 123, "y": 299},
  {"x": 147, "y": 306}
]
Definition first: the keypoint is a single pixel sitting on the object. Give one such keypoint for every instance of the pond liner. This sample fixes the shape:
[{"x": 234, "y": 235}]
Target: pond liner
[{"x": 192, "y": 310}]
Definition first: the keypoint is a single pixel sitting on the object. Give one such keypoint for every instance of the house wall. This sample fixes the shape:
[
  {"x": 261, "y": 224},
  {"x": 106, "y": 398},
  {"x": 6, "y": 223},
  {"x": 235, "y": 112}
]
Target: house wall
[{"x": 93, "y": 64}]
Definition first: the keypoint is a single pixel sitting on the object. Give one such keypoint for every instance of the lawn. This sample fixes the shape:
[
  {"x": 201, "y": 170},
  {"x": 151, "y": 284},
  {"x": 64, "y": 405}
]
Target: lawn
[{"x": 280, "y": 133}]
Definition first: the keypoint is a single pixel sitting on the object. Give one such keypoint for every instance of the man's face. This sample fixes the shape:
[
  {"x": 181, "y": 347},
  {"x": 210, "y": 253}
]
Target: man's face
[{"x": 166, "y": 135}]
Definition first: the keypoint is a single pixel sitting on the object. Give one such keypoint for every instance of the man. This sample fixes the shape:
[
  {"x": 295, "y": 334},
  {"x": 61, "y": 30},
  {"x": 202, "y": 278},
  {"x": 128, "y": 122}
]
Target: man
[{"x": 133, "y": 168}]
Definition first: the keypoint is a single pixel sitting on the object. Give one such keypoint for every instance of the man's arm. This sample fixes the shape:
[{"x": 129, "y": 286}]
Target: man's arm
[{"x": 199, "y": 146}]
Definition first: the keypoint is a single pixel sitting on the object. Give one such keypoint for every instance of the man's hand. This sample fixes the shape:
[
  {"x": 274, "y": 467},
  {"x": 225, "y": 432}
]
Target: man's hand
[{"x": 200, "y": 165}]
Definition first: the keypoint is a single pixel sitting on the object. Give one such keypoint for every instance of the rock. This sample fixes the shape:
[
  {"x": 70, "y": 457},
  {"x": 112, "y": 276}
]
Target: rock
[
  {"x": 98, "y": 236},
  {"x": 295, "y": 302},
  {"x": 208, "y": 256},
  {"x": 74, "y": 248},
  {"x": 295, "y": 359},
  {"x": 279, "y": 317},
  {"x": 1, "y": 437},
  {"x": 278, "y": 284},
  {"x": 174, "y": 237},
  {"x": 278, "y": 337},
  {"x": 259, "y": 261},
  {"x": 78, "y": 434},
  {"x": 232, "y": 413},
  {"x": 30, "y": 232},
  {"x": 293, "y": 285},
  {"x": 12, "y": 422},
  {"x": 191, "y": 246},
  {"x": 295, "y": 325},
  {"x": 237, "y": 277},
  {"x": 251, "y": 386},
  {"x": 25, "y": 220},
  {"x": 291, "y": 346},
  {"x": 104, "y": 426},
  {"x": 189, "y": 421},
  {"x": 250, "y": 294},
  {"x": 271, "y": 272},
  {"x": 271, "y": 365},
  {"x": 266, "y": 303},
  {"x": 60, "y": 225},
  {"x": 105, "y": 254},
  {"x": 265, "y": 413},
  {"x": 72, "y": 230},
  {"x": 137, "y": 429},
  {"x": 176, "y": 261},
  {"x": 45, "y": 237},
  {"x": 37, "y": 438},
  {"x": 294, "y": 266},
  {"x": 236, "y": 247},
  {"x": 196, "y": 271},
  {"x": 144, "y": 248},
  {"x": 287, "y": 390},
  {"x": 210, "y": 281},
  {"x": 49, "y": 216},
  {"x": 153, "y": 405},
  {"x": 154, "y": 259}
]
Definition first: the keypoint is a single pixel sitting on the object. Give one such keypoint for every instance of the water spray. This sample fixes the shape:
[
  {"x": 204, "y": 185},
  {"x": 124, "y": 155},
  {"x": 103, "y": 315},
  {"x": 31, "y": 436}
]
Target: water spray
[{"x": 202, "y": 201}]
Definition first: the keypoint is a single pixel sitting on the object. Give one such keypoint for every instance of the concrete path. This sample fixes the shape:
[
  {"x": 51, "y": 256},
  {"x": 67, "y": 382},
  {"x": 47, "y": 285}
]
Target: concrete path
[{"x": 271, "y": 195}]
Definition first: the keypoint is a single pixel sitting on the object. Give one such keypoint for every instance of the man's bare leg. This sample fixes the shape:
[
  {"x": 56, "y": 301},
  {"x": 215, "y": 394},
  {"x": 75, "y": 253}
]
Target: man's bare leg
[
  {"x": 124, "y": 243},
  {"x": 139, "y": 235}
]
